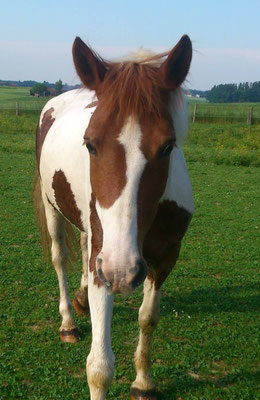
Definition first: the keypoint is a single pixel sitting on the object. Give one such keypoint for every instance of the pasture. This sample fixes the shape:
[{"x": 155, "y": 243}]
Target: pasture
[
  {"x": 205, "y": 112},
  {"x": 10, "y": 95},
  {"x": 206, "y": 344}
]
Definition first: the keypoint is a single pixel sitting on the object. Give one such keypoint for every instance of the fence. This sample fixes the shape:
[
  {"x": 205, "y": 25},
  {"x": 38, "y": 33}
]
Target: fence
[
  {"x": 208, "y": 112},
  {"x": 22, "y": 107},
  {"x": 199, "y": 112}
]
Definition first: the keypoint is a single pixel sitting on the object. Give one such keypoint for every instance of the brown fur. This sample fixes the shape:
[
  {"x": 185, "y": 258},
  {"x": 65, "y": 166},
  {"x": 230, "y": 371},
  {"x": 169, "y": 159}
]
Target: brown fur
[
  {"x": 163, "y": 242},
  {"x": 96, "y": 239},
  {"x": 42, "y": 131},
  {"x": 39, "y": 212},
  {"x": 65, "y": 199},
  {"x": 132, "y": 88},
  {"x": 108, "y": 170}
]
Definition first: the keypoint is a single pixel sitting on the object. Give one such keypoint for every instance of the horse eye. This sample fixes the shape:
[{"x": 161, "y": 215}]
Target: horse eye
[
  {"x": 91, "y": 149},
  {"x": 166, "y": 150}
]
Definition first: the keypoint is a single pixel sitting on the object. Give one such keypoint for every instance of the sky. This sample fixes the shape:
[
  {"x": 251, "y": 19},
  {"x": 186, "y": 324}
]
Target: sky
[{"x": 36, "y": 36}]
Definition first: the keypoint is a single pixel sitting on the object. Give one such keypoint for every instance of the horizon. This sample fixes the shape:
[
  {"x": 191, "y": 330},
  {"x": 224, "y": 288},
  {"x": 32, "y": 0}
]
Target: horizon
[{"x": 37, "y": 44}]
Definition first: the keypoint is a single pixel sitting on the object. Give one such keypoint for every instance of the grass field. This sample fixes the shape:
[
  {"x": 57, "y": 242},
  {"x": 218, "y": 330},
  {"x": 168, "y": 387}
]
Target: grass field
[
  {"x": 206, "y": 344},
  {"x": 10, "y": 95},
  {"x": 225, "y": 112},
  {"x": 206, "y": 112}
]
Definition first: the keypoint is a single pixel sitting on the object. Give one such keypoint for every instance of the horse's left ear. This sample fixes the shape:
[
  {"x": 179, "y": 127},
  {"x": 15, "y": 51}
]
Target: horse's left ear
[
  {"x": 90, "y": 68},
  {"x": 175, "y": 68}
]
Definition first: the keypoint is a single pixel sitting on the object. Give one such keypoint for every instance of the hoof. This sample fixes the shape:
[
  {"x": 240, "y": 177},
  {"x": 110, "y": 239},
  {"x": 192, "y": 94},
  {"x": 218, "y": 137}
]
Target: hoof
[
  {"x": 71, "y": 336},
  {"x": 138, "y": 394},
  {"x": 81, "y": 307}
]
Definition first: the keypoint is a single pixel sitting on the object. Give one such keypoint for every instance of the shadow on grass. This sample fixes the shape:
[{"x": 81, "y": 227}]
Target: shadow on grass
[
  {"x": 203, "y": 300},
  {"x": 211, "y": 300},
  {"x": 184, "y": 384}
]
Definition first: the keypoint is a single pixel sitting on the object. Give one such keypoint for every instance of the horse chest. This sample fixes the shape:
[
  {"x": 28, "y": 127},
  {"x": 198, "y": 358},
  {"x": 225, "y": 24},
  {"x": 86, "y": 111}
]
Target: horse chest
[{"x": 163, "y": 240}]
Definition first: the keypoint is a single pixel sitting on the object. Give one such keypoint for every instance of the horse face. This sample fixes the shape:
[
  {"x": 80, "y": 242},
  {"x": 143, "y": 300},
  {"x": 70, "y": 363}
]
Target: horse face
[
  {"x": 128, "y": 170},
  {"x": 130, "y": 137}
]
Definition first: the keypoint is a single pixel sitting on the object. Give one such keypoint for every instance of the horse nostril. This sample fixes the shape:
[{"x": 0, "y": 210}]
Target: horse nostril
[
  {"x": 141, "y": 270},
  {"x": 103, "y": 279}
]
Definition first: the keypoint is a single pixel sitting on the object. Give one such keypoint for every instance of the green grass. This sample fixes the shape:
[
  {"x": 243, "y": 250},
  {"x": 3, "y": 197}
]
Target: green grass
[
  {"x": 229, "y": 144},
  {"x": 206, "y": 344},
  {"x": 10, "y": 95}
]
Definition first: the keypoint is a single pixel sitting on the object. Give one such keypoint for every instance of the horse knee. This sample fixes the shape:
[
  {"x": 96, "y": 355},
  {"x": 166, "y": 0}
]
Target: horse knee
[
  {"x": 100, "y": 371},
  {"x": 148, "y": 321}
]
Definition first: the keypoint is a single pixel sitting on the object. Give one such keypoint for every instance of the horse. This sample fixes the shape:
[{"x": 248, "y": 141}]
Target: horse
[{"x": 110, "y": 164}]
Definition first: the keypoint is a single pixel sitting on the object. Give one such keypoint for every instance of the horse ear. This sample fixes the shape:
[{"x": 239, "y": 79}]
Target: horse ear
[
  {"x": 175, "y": 68},
  {"x": 90, "y": 68}
]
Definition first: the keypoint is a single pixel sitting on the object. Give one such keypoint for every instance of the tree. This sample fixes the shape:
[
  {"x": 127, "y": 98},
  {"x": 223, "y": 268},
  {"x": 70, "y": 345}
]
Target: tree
[
  {"x": 58, "y": 87},
  {"x": 39, "y": 88}
]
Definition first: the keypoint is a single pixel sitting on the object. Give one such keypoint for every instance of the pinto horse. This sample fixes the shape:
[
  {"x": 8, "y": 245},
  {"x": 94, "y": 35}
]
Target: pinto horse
[{"x": 110, "y": 163}]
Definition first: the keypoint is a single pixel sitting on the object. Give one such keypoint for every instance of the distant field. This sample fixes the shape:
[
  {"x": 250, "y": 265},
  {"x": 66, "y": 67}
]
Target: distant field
[
  {"x": 10, "y": 95},
  {"x": 205, "y": 112}
]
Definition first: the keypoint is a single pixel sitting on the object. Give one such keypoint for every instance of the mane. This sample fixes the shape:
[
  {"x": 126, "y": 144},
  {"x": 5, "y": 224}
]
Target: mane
[
  {"x": 144, "y": 56},
  {"x": 133, "y": 87}
]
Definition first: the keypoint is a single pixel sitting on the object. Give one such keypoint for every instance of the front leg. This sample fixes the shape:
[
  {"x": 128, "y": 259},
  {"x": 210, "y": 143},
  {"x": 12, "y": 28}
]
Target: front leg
[
  {"x": 100, "y": 361},
  {"x": 161, "y": 249},
  {"x": 56, "y": 227},
  {"x": 143, "y": 387}
]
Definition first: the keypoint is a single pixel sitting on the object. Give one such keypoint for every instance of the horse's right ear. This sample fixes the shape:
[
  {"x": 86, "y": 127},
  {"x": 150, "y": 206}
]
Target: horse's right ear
[{"x": 90, "y": 68}]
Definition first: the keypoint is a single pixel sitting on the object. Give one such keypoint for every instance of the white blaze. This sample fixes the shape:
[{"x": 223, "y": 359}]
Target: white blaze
[{"x": 119, "y": 222}]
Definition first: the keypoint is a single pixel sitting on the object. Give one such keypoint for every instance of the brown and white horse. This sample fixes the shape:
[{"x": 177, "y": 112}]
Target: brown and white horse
[{"x": 110, "y": 163}]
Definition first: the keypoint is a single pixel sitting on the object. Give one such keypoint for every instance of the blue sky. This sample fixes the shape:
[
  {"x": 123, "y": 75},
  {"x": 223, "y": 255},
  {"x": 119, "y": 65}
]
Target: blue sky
[{"x": 36, "y": 36}]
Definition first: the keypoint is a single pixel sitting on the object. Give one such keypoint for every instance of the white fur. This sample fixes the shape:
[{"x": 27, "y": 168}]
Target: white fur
[
  {"x": 62, "y": 148},
  {"x": 119, "y": 222},
  {"x": 100, "y": 361},
  {"x": 55, "y": 224},
  {"x": 178, "y": 187},
  {"x": 179, "y": 112}
]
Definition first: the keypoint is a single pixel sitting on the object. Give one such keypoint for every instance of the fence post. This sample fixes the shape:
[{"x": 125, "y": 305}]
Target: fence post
[
  {"x": 17, "y": 108},
  {"x": 194, "y": 113},
  {"x": 250, "y": 116}
]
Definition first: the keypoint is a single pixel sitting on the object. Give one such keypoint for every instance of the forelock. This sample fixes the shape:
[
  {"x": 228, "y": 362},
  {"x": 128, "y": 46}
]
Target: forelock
[{"x": 134, "y": 88}]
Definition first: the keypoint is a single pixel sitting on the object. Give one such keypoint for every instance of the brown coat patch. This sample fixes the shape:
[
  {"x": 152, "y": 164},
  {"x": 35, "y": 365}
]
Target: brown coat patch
[
  {"x": 151, "y": 188},
  {"x": 65, "y": 199},
  {"x": 42, "y": 131},
  {"x": 156, "y": 132},
  {"x": 108, "y": 167},
  {"x": 163, "y": 241},
  {"x": 96, "y": 239}
]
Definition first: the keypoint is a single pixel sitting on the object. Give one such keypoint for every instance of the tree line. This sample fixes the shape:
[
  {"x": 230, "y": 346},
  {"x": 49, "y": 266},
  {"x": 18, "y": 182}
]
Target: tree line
[
  {"x": 43, "y": 85},
  {"x": 41, "y": 89},
  {"x": 235, "y": 93}
]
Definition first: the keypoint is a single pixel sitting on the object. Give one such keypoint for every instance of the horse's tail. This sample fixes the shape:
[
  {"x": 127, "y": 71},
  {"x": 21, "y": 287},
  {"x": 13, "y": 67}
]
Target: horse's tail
[{"x": 72, "y": 241}]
